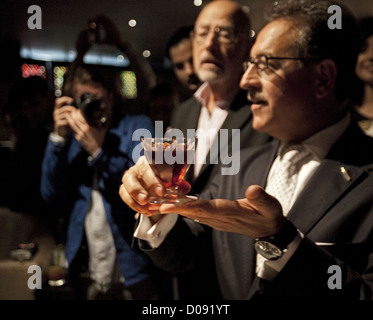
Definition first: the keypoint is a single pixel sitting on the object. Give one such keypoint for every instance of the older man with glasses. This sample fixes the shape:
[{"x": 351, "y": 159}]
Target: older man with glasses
[{"x": 221, "y": 43}]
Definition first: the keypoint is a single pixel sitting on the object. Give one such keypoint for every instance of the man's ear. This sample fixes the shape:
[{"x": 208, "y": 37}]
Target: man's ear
[{"x": 326, "y": 74}]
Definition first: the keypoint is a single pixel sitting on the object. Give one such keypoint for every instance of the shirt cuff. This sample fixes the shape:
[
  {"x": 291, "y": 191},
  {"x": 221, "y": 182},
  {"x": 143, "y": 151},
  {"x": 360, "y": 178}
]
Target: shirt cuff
[
  {"x": 93, "y": 157},
  {"x": 155, "y": 234},
  {"x": 269, "y": 269},
  {"x": 55, "y": 138}
]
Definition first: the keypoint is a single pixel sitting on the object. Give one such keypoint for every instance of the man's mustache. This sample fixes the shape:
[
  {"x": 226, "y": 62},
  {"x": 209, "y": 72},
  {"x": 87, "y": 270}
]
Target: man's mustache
[
  {"x": 254, "y": 95},
  {"x": 209, "y": 57}
]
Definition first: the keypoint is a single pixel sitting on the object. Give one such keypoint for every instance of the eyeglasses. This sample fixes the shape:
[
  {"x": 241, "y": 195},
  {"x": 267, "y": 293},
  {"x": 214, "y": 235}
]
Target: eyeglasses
[
  {"x": 261, "y": 62},
  {"x": 223, "y": 35}
]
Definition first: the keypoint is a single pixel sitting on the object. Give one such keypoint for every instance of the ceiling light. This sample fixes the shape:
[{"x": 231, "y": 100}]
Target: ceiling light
[
  {"x": 197, "y": 3},
  {"x": 132, "y": 23},
  {"x": 246, "y": 9},
  {"x": 146, "y": 53}
]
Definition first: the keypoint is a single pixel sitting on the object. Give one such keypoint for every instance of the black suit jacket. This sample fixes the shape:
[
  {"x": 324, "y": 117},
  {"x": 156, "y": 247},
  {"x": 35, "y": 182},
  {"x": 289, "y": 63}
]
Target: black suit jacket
[
  {"x": 334, "y": 213},
  {"x": 202, "y": 282},
  {"x": 239, "y": 117}
]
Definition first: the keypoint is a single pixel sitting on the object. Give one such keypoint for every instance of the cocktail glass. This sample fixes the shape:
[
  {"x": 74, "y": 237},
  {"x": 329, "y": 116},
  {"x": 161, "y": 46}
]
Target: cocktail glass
[{"x": 170, "y": 160}]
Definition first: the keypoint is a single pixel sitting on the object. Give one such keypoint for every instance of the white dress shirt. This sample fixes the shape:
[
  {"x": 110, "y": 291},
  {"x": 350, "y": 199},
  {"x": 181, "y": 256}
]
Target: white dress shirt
[
  {"x": 208, "y": 124},
  {"x": 102, "y": 251}
]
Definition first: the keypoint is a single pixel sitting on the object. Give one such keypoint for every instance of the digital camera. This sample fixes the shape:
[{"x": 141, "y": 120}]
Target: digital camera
[{"x": 94, "y": 110}]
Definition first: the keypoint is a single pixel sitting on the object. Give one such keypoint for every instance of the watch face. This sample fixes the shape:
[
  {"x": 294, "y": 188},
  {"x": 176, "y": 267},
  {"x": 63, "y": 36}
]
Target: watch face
[{"x": 268, "y": 250}]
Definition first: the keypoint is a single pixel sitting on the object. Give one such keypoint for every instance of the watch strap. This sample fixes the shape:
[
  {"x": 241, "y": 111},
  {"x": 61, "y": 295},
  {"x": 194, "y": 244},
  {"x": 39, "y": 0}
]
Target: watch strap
[{"x": 282, "y": 238}]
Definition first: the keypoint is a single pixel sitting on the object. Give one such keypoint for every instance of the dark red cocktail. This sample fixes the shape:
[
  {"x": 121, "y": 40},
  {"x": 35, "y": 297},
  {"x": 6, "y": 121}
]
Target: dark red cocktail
[{"x": 170, "y": 161}]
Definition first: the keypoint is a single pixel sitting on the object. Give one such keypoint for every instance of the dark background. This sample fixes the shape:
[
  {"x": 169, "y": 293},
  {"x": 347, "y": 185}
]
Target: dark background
[
  {"x": 156, "y": 20},
  {"x": 62, "y": 21}
]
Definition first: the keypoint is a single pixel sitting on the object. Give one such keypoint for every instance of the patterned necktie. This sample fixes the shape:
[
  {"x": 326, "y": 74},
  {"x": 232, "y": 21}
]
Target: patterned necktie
[{"x": 284, "y": 178}]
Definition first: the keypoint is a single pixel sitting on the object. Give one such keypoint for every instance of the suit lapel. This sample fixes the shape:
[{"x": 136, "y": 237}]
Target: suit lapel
[
  {"x": 237, "y": 117},
  {"x": 323, "y": 190},
  {"x": 186, "y": 120},
  {"x": 329, "y": 183},
  {"x": 190, "y": 120}
]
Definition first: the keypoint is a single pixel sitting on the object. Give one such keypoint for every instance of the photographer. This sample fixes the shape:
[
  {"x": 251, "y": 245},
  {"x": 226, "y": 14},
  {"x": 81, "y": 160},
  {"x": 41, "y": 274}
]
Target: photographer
[
  {"x": 81, "y": 171},
  {"x": 85, "y": 156}
]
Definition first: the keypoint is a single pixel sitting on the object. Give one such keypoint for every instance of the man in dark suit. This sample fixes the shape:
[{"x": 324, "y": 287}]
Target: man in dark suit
[
  {"x": 317, "y": 243},
  {"x": 221, "y": 44}
]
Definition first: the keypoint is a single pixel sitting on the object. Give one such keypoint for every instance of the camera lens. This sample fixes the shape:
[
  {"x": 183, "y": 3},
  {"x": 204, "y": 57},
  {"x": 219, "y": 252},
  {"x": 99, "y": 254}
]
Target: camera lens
[{"x": 94, "y": 110}]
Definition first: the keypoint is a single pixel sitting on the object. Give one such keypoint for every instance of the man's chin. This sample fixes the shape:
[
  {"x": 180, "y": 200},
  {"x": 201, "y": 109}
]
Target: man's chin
[{"x": 209, "y": 75}]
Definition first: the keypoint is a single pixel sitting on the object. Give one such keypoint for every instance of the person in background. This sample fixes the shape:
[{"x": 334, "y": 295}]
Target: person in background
[
  {"x": 91, "y": 144},
  {"x": 221, "y": 43},
  {"x": 179, "y": 50},
  {"x": 82, "y": 161},
  {"x": 294, "y": 222},
  {"x": 364, "y": 70}
]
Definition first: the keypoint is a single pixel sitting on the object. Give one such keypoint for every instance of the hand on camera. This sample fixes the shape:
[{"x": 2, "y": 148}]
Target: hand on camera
[{"x": 68, "y": 118}]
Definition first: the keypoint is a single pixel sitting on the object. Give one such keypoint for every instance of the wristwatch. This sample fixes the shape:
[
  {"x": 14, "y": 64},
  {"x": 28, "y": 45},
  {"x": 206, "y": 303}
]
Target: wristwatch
[{"x": 274, "y": 246}]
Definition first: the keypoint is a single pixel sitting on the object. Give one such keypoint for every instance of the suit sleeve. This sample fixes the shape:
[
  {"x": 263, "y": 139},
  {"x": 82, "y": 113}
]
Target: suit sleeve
[
  {"x": 187, "y": 246},
  {"x": 315, "y": 273}
]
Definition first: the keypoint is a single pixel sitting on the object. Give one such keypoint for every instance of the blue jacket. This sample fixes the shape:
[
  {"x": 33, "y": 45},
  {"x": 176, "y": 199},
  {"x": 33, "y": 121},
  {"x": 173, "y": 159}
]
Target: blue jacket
[{"x": 67, "y": 178}]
